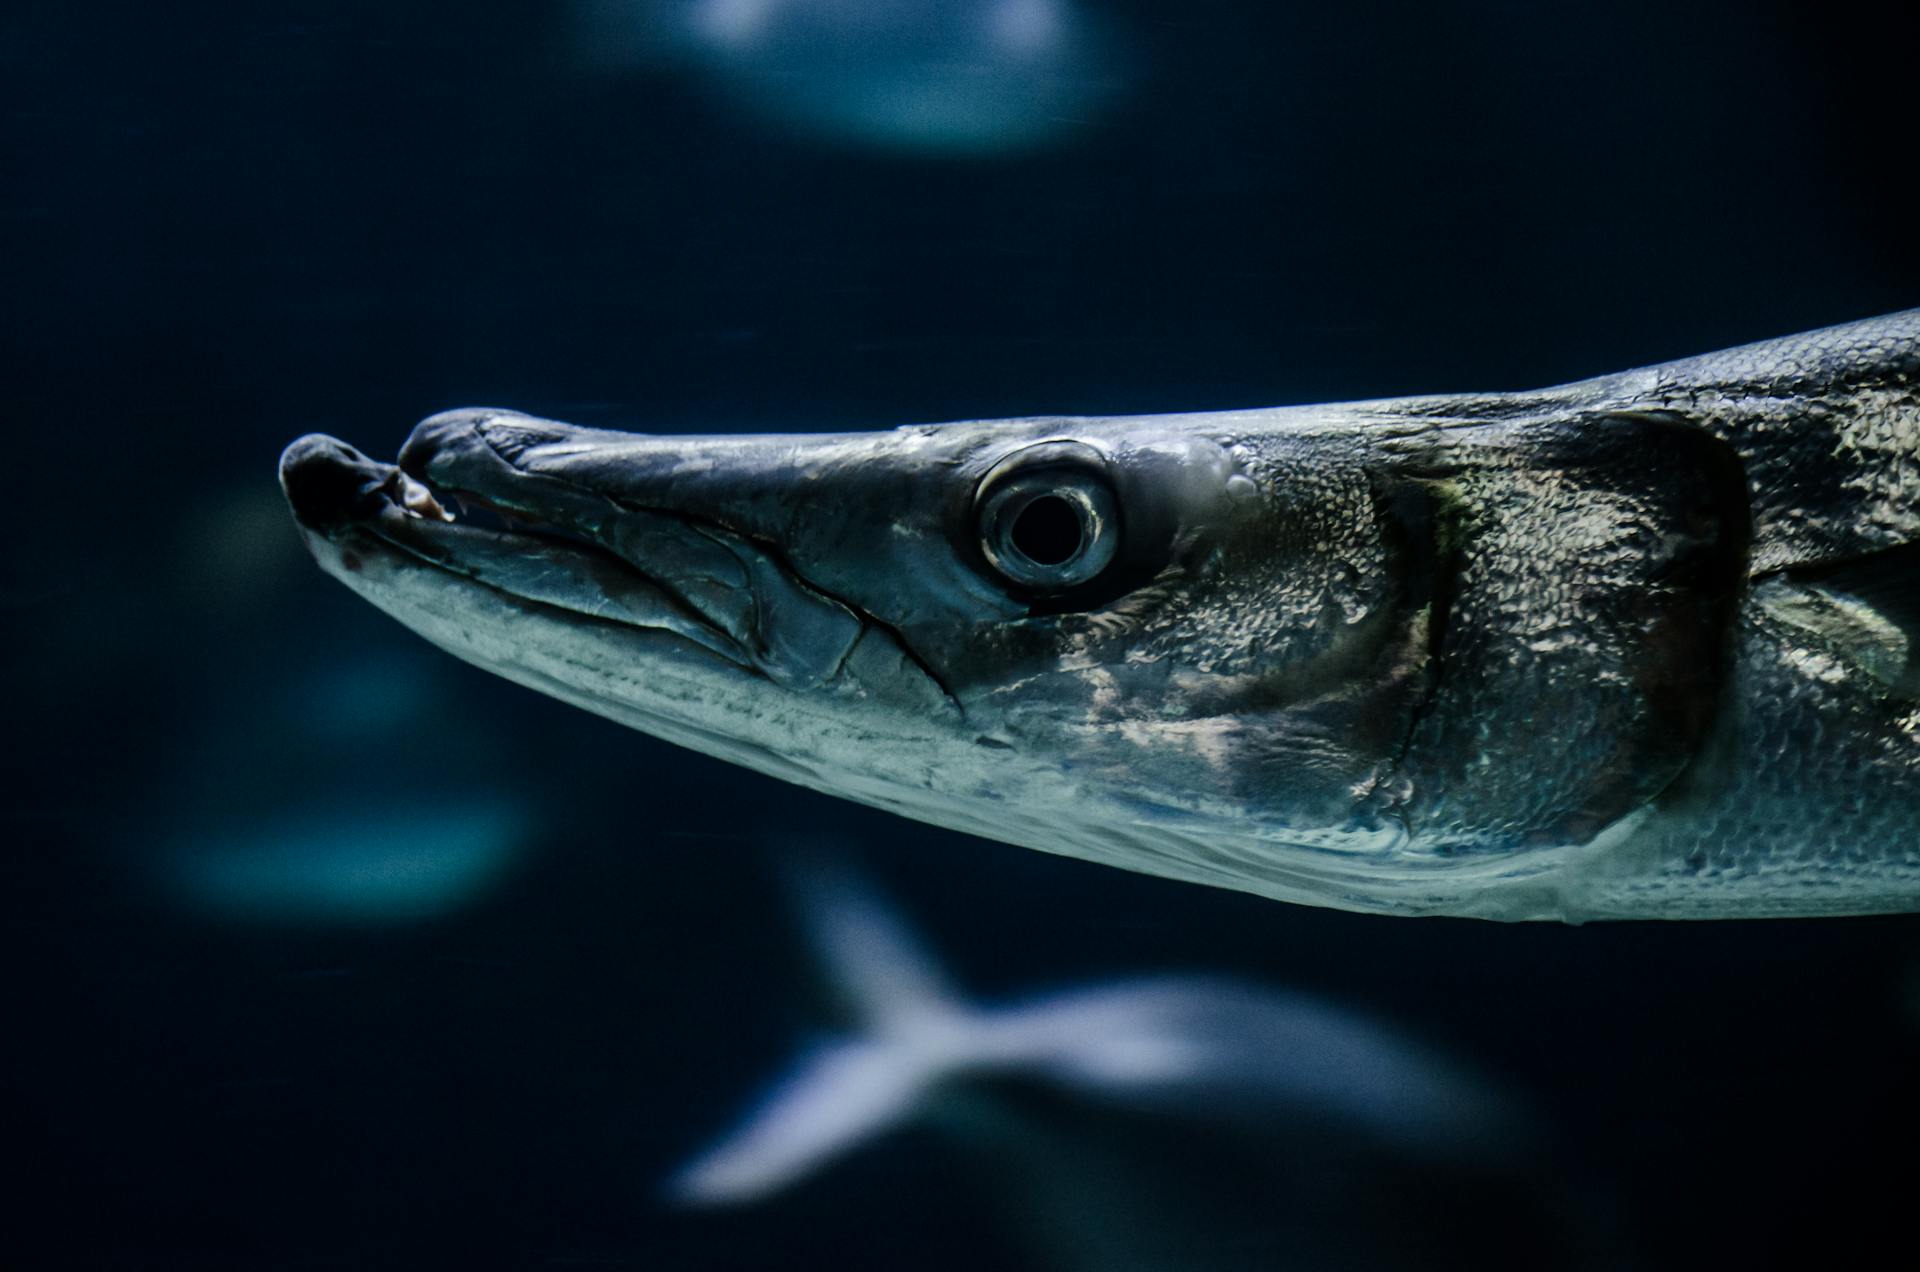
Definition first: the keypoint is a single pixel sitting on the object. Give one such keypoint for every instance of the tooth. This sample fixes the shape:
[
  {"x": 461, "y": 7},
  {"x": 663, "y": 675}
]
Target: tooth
[{"x": 418, "y": 500}]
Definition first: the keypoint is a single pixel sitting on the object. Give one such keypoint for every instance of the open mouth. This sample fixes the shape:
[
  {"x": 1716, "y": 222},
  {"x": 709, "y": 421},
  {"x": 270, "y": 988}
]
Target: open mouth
[{"x": 461, "y": 501}]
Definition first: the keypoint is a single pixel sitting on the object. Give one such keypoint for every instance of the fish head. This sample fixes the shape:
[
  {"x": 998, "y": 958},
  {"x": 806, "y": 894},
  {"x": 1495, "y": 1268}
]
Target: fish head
[{"x": 1136, "y": 640}]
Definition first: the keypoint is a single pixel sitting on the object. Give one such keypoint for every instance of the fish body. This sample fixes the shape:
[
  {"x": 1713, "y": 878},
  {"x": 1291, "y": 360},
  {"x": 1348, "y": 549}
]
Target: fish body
[{"x": 1642, "y": 646}]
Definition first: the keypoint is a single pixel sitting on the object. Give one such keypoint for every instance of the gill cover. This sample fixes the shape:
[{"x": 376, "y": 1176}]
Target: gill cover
[{"x": 1590, "y": 570}]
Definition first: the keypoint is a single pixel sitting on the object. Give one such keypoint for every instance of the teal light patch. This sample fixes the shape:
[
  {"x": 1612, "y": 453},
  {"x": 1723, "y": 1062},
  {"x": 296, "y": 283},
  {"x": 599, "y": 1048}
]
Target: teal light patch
[
  {"x": 367, "y": 867},
  {"x": 961, "y": 77}
]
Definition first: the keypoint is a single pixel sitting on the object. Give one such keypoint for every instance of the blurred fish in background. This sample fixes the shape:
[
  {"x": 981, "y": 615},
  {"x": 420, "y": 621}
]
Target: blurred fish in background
[
  {"x": 348, "y": 794},
  {"x": 1155, "y": 1122},
  {"x": 323, "y": 866},
  {"x": 958, "y": 77}
]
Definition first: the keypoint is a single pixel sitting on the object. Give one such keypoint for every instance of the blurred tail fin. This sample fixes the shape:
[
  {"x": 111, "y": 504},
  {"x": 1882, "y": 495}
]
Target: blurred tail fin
[
  {"x": 834, "y": 1100},
  {"x": 875, "y": 965},
  {"x": 913, "y": 1032}
]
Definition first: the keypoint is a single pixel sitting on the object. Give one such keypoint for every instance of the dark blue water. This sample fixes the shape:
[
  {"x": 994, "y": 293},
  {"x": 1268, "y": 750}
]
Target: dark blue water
[{"x": 323, "y": 950}]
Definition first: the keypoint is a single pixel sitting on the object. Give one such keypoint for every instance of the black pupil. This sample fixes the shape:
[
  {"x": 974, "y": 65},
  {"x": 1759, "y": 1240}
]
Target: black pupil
[{"x": 1047, "y": 531}]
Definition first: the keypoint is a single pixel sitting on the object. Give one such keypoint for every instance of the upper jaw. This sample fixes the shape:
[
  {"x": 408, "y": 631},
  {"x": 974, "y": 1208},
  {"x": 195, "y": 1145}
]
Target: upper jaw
[{"x": 585, "y": 554}]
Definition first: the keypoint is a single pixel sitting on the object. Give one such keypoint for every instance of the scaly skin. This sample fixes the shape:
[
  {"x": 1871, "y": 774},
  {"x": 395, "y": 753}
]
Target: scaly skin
[
  {"x": 1806, "y": 801},
  {"x": 1805, "y": 796}
]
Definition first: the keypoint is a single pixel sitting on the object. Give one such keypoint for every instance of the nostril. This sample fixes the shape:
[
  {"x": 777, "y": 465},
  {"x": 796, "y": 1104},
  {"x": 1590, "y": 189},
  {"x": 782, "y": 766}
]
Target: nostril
[{"x": 328, "y": 482}]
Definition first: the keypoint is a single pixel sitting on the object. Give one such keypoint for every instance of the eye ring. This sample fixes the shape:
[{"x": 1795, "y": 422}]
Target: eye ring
[{"x": 1048, "y": 519}]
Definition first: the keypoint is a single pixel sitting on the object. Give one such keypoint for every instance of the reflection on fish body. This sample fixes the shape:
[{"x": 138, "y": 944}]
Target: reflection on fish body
[{"x": 1639, "y": 646}]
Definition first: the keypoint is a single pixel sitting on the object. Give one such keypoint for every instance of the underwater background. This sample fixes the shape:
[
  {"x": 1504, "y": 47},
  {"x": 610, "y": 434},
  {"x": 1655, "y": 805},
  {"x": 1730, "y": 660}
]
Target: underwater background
[{"x": 321, "y": 949}]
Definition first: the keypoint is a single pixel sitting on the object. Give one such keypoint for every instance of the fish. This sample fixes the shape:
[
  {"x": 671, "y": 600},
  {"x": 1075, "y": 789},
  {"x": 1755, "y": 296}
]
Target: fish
[
  {"x": 1641, "y": 646},
  {"x": 1206, "y": 1050},
  {"x": 1158, "y": 1120}
]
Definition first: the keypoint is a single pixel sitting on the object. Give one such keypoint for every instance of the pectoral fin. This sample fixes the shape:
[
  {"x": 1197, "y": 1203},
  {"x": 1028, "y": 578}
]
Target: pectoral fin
[{"x": 1888, "y": 585}]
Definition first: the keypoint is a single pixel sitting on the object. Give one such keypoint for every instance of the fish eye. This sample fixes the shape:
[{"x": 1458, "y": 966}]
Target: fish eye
[{"x": 1048, "y": 526}]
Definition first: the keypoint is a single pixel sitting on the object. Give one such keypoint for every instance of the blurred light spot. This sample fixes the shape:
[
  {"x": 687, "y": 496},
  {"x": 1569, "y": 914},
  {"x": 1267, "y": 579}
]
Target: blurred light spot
[
  {"x": 388, "y": 693},
  {"x": 730, "y": 22},
  {"x": 356, "y": 867},
  {"x": 1031, "y": 27},
  {"x": 961, "y": 76}
]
